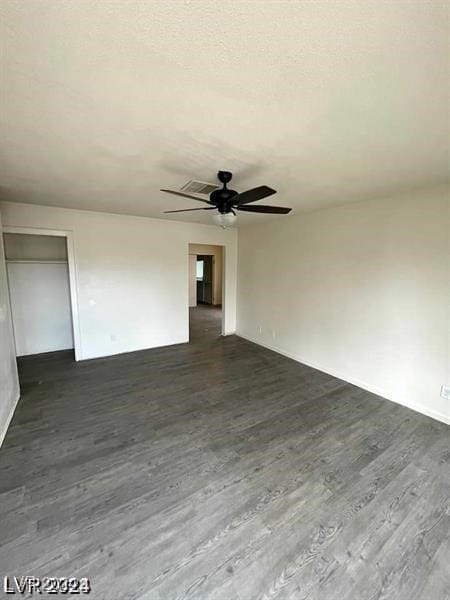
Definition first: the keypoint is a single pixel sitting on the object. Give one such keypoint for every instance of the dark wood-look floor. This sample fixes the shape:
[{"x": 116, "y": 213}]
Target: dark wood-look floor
[{"x": 220, "y": 470}]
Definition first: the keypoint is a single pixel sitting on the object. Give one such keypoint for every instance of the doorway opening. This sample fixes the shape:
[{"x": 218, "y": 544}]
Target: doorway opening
[
  {"x": 41, "y": 298},
  {"x": 206, "y": 296}
]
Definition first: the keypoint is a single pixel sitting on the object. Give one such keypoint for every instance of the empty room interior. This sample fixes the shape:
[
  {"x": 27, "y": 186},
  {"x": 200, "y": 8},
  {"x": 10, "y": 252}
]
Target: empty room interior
[{"x": 225, "y": 299}]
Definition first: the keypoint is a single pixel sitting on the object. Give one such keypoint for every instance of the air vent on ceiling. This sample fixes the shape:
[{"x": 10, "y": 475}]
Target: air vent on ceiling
[{"x": 198, "y": 187}]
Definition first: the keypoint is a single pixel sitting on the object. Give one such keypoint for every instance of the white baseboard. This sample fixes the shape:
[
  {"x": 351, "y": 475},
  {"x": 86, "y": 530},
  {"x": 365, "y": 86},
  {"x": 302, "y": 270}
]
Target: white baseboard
[
  {"x": 424, "y": 410},
  {"x": 420, "y": 408},
  {"x": 5, "y": 426}
]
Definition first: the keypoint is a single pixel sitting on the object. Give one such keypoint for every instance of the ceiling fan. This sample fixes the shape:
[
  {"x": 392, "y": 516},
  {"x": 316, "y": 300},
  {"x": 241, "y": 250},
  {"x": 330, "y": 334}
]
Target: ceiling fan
[{"x": 227, "y": 201}]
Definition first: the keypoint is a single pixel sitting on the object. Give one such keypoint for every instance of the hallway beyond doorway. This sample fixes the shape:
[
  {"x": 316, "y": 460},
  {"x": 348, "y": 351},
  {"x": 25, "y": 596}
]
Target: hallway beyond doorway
[{"x": 205, "y": 322}]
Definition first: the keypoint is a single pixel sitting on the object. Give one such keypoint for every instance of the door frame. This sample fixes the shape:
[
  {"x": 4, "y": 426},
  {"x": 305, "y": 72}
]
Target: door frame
[
  {"x": 71, "y": 263},
  {"x": 224, "y": 304}
]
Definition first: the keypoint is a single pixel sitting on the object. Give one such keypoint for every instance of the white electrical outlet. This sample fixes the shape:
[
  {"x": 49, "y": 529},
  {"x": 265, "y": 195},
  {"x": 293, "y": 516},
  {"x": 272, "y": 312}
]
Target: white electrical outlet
[
  {"x": 274, "y": 334},
  {"x": 259, "y": 329},
  {"x": 445, "y": 391}
]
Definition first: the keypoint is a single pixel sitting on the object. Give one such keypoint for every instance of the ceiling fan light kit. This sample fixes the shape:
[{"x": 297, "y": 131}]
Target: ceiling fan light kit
[
  {"x": 226, "y": 201},
  {"x": 224, "y": 220}
]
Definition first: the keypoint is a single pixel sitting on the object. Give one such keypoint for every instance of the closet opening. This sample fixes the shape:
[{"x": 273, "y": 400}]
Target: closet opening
[{"x": 39, "y": 284}]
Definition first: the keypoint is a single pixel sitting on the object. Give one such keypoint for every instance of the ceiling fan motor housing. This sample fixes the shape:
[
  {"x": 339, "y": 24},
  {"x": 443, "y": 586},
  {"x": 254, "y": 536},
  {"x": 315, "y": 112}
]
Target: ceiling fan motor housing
[{"x": 223, "y": 199}]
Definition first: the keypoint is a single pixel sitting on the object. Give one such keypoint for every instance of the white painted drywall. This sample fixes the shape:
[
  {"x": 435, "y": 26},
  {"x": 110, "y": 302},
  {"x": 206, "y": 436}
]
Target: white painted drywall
[
  {"x": 217, "y": 253},
  {"x": 9, "y": 380},
  {"x": 131, "y": 275},
  {"x": 361, "y": 292},
  {"x": 192, "y": 280},
  {"x": 40, "y": 307}
]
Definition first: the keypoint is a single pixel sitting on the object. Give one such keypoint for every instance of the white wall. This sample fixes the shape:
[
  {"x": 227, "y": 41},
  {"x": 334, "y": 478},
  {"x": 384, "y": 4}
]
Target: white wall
[
  {"x": 131, "y": 275},
  {"x": 40, "y": 307},
  {"x": 361, "y": 292},
  {"x": 9, "y": 381}
]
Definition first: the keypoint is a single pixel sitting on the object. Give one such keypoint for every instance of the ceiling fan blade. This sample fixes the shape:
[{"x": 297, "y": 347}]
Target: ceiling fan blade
[
  {"x": 257, "y": 193},
  {"x": 185, "y": 195},
  {"x": 189, "y": 209},
  {"x": 260, "y": 208}
]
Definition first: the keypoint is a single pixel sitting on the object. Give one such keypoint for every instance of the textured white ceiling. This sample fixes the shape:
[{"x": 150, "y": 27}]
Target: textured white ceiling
[{"x": 104, "y": 102}]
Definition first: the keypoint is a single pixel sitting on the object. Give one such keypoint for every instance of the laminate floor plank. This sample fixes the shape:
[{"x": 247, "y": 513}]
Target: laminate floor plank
[{"x": 219, "y": 470}]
